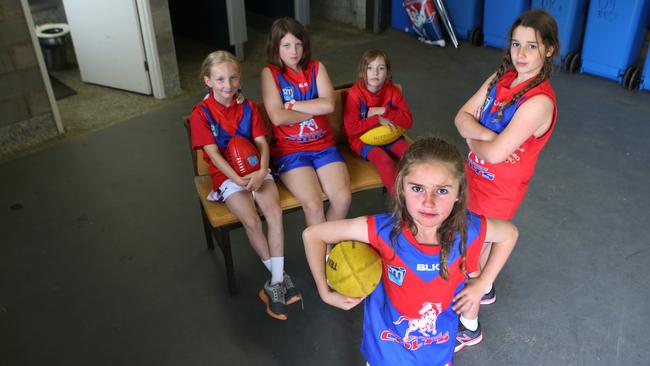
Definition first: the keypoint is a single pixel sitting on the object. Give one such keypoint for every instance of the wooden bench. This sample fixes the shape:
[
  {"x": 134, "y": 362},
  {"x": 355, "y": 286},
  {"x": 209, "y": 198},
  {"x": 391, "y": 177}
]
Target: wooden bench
[{"x": 218, "y": 221}]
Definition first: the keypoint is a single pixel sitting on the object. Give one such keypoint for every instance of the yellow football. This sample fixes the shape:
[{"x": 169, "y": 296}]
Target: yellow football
[
  {"x": 353, "y": 268},
  {"x": 381, "y": 135}
]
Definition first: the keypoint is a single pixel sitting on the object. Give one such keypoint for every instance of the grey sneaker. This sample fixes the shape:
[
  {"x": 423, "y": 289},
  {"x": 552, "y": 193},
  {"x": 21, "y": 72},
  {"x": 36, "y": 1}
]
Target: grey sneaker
[
  {"x": 490, "y": 297},
  {"x": 291, "y": 293},
  {"x": 273, "y": 298},
  {"x": 466, "y": 337}
]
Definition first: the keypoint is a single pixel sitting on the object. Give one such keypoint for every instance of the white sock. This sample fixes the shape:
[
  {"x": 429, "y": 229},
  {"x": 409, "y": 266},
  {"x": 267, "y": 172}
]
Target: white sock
[
  {"x": 267, "y": 263},
  {"x": 487, "y": 291},
  {"x": 277, "y": 270},
  {"x": 471, "y": 324}
]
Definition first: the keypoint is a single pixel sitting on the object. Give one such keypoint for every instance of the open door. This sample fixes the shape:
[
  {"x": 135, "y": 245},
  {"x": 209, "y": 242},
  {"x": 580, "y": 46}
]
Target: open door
[{"x": 108, "y": 43}]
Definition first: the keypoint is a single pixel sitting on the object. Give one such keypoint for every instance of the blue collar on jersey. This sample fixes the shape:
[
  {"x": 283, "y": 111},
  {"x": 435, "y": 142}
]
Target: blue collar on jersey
[
  {"x": 491, "y": 119},
  {"x": 289, "y": 90},
  {"x": 221, "y": 136}
]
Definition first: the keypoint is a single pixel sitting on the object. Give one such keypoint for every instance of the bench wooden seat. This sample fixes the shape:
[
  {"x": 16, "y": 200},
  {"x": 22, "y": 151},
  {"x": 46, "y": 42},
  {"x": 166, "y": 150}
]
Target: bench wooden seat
[
  {"x": 361, "y": 173},
  {"x": 217, "y": 218}
]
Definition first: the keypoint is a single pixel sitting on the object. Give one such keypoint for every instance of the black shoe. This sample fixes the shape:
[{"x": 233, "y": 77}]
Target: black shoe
[
  {"x": 273, "y": 297},
  {"x": 291, "y": 293},
  {"x": 490, "y": 297},
  {"x": 466, "y": 337}
]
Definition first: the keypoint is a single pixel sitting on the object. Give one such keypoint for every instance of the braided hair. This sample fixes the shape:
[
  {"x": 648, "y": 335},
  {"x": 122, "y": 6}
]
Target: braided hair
[
  {"x": 425, "y": 151},
  {"x": 545, "y": 28}
]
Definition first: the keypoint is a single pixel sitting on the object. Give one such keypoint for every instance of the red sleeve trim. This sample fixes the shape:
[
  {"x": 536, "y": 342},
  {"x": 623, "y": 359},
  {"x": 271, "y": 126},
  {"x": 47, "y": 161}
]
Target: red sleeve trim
[
  {"x": 474, "y": 252},
  {"x": 373, "y": 236}
]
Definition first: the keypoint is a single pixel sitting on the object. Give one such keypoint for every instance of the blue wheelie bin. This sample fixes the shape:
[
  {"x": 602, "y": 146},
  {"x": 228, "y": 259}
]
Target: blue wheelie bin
[
  {"x": 613, "y": 39},
  {"x": 399, "y": 19},
  {"x": 467, "y": 19},
  {"x": 570, "y": 16},
  {"x": 498, "y": 16}
]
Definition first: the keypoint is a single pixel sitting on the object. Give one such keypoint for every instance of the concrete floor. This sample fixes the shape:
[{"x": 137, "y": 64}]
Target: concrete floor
[{"x": 104, "y": 260}]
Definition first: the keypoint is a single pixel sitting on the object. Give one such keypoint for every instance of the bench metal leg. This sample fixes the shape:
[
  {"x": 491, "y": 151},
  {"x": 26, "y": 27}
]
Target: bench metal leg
[{"x": 223, "y": 239}]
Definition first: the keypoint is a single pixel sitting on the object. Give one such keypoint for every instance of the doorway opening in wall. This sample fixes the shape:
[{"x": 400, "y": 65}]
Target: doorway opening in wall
[
  {"x": 83, "y": 106},
  {"x": 202, "y": 27},
  {"x": 95, "y": 106}
]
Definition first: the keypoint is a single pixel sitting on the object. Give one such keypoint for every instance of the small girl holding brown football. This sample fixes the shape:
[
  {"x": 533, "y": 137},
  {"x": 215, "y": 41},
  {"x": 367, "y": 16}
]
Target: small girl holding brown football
[
  {"x": 374, "y": 101},
  {"x": 225, "y": 113}
]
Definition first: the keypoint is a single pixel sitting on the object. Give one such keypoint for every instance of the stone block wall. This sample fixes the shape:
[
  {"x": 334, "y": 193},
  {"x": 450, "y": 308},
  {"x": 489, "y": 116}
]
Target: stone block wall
[{"x": 25, "y": 112}]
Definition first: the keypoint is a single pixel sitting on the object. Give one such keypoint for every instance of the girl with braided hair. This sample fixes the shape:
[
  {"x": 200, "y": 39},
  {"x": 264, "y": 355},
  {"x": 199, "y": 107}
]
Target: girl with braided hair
[
  {"x": 427, "y": 244},
  {"x": 506, "y": 123}
]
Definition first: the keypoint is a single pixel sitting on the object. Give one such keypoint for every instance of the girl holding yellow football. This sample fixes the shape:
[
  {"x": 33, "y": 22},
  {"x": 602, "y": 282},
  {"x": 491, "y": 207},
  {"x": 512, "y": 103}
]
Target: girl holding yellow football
[
  {"x": 373, "y": 101},
  {"x": 428, "y": 245}
]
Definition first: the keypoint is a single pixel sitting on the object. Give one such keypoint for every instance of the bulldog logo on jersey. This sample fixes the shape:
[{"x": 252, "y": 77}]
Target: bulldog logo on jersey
[
  {"x": 396, "y": 274},
  {"x": 309, "y": 124},
  {"x": 287, "y": 94},
  {"x": 425, "y": 326}
]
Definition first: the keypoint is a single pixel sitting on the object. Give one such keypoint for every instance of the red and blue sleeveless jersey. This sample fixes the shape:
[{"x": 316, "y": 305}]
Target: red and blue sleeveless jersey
[
  {"x": 313, "y": 134},
  {"x": 359, "y": 100},
  {"x": 497, "y": 190},
  {"x": 408, "y": 319},
  {"x": 213, "y": 123}
]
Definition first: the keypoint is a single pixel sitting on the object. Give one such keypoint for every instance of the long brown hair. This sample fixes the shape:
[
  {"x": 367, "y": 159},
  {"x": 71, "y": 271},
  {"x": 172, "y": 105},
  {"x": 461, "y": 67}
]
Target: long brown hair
[
  {"x": 279, "y": 29},
  {"x": 425, "y": 151},
  {"x": 368, "y": 57},
  {"x": 546, "y": 29}
]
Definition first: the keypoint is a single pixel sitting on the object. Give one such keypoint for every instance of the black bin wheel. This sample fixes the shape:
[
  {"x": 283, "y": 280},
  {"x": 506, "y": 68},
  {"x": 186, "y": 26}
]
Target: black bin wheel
[
  {"x": 627, "y": 76},
  {"x": 476, "y": 37},
  {"x": 574, "y": 65},
  {"x": 567, "y": 62},
  {"x": 635, "y": 79}
]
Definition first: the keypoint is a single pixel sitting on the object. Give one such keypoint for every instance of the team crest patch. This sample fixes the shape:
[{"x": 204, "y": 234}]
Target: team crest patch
[
  {"x": 252, "y": 160},
  {"x": 396, "y": 274},
  {"x": 287, "y": 94}
]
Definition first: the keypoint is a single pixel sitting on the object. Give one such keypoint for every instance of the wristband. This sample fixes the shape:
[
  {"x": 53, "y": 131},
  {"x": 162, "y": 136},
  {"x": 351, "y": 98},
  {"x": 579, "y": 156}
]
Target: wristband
[{"x": 292, "y": 102}]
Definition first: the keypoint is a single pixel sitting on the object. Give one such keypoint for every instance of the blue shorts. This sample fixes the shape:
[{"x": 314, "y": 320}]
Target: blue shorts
[{"x": 314, "y": 159}]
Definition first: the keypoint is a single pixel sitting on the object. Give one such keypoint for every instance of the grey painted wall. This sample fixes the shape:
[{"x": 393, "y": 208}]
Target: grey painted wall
[
  {"x": 352, "y": 12},
  {"x": 166, "y": 48}
]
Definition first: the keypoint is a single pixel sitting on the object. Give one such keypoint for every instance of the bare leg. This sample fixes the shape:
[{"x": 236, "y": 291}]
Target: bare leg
[
  {"x": 303, "y": 183},
  {"x": 335, "y": 180},
  {"x": 268, "y": 200},
  {"x": 241, "y": 204}
]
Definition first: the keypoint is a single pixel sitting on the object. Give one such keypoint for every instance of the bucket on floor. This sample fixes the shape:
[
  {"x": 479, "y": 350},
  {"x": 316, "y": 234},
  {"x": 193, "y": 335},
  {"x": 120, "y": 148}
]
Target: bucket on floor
[
  {"x": 53, "y": 37},
  {"x": 498, "y": 16},
  {"x": 613, "y": 39},
  {"x": 570, "y": 16},
  {"x": 467, "y": 19}
]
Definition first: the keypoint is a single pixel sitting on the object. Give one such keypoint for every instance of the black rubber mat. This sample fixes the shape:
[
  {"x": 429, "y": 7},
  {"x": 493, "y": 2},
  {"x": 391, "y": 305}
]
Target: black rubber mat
[{"x": 60, "y": 89}]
